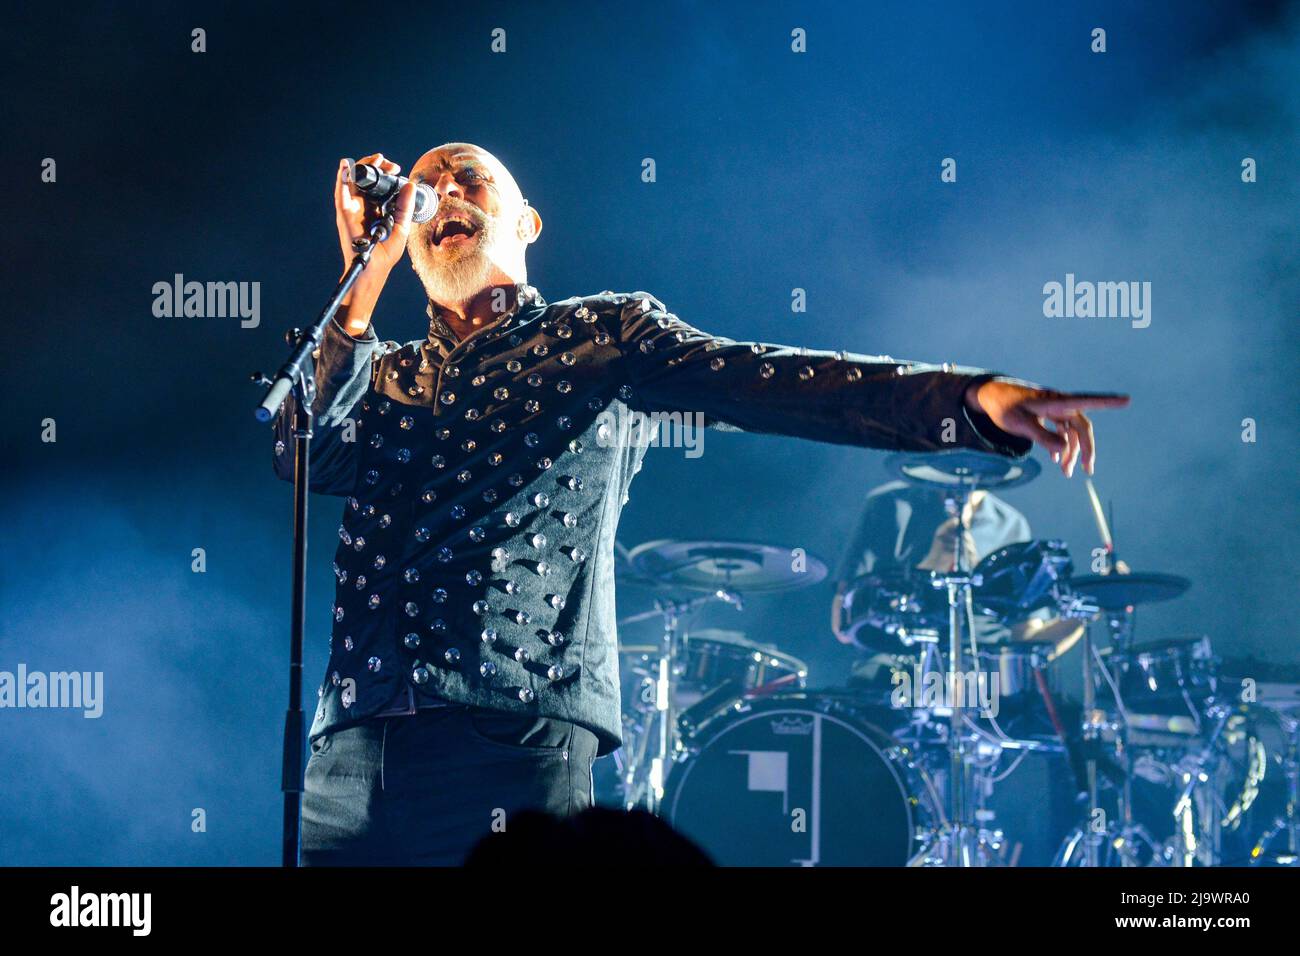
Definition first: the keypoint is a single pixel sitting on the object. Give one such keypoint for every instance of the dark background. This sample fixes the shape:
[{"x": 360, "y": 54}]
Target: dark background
[{"x": 775, "y": 171}]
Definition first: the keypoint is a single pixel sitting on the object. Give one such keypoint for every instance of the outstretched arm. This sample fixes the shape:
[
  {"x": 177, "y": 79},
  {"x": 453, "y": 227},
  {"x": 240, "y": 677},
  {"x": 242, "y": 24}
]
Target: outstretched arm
[{"x": 840, "y": 397}]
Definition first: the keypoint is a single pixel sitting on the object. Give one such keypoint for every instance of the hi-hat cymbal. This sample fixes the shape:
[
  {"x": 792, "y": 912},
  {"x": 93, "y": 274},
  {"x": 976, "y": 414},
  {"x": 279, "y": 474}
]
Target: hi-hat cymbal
[
  {"x": 961, "y": 468},
  {"x": 743, "y": 566},
  {"x": 1114, "y": 592}
]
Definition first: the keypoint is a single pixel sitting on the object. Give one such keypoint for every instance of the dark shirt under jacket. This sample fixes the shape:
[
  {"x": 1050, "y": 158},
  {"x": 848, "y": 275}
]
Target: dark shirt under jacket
[{"x": 484, "y": 486}]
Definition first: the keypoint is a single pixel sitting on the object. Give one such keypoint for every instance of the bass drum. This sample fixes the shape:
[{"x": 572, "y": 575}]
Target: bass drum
[{"x": 807, "y": 779}]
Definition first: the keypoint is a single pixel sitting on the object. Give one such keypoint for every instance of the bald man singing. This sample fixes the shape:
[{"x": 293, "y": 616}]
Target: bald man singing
[{"x": 473, "y": 666}]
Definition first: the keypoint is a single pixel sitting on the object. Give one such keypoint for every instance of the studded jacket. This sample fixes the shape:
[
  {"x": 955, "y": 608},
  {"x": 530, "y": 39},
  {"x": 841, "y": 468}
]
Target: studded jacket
[{"x": 484, "y": 480}]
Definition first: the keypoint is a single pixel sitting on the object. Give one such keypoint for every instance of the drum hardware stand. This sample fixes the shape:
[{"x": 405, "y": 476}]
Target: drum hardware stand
[
  {"x": 1092, "y": 724},
  {"x": 1197, "y": 769},
  {"x": 958, "y": 837},
  {"x": 1124, "y": 836},
  {"x": 648, "y": 792},
  {"x": 1126, "y": 833},
  {"x": 1287, "y": 823},
  {"x": 1120, "y": 626},
  {"x": 670, "y": 643},
  {"x": 295, "y": 377}
]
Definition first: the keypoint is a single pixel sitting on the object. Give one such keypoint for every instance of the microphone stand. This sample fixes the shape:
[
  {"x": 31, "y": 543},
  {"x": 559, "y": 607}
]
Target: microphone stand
[{"x": 297, "y": 376}]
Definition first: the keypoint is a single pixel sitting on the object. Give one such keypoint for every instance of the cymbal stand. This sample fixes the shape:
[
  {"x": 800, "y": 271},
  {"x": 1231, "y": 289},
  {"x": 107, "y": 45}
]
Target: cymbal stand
[
  {"x": 1092, "y": 724},
  {"x": 644, "y": 784},
  {"x": 1123, "y": 837},
  {"x": 1120, "y": 625},
  {"x": 1197, "y": 770},
  {"x": 958, "y": 837}
]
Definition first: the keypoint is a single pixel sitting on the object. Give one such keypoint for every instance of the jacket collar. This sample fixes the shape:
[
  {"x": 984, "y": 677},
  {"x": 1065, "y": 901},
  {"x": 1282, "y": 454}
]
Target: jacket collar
[{"x": 519, "y": 295}]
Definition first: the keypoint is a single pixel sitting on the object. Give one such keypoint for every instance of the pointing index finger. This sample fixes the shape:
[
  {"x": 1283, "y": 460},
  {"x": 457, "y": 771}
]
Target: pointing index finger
[{"x": 1065, "y": 403}]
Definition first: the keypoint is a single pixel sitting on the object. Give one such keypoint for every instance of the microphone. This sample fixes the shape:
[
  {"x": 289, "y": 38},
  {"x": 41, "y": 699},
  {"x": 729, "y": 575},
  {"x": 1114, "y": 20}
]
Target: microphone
[{"x": 381, "y": 188}]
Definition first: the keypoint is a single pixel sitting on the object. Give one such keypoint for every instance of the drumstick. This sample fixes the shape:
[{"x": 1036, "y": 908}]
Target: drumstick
[{"x": 1099, "y": 516}]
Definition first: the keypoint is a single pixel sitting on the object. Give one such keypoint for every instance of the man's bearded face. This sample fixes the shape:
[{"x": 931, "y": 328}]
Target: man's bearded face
[{"x": 453, "y": 252}]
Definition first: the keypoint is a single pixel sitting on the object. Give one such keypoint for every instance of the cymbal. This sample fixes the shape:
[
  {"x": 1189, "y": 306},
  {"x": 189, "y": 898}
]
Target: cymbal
[
  {"x": 1248, "y": 665},
  {"x": 742, "y": 566},
  {"x": 1113, "y": 592},
  {"x": 961, "y": 468},
  {"x": 1060, "y": 633}
]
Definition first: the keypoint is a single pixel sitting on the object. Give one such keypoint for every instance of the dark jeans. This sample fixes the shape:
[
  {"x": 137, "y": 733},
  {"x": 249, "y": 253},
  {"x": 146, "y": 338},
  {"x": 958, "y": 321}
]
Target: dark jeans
[{"x": 424, "y": 788}]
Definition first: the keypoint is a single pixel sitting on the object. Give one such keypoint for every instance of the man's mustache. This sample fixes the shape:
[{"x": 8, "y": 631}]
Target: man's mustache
[{"x": 467, "y": 210}]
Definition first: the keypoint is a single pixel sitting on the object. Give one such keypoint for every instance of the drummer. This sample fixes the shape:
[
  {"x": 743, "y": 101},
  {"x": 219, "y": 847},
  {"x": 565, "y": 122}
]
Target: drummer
[{"x": 905, "y": 527}]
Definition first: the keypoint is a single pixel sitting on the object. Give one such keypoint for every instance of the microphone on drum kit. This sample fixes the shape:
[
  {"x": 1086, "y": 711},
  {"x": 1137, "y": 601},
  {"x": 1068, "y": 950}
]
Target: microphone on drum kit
[{"x": 723, "y": 739}]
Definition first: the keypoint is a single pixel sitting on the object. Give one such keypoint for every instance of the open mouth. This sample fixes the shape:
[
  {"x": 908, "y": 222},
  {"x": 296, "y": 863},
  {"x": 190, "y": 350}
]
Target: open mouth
[{"x": 453, "y": 229}]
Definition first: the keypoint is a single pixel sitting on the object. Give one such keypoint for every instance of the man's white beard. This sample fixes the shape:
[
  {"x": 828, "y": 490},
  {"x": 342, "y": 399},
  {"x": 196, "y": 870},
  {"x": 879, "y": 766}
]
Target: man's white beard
[{"x": 452, "y": 279}]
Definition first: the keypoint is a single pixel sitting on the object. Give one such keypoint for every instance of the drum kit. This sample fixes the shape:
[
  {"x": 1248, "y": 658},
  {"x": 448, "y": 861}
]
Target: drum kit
[{"x": 958, "y": 750}]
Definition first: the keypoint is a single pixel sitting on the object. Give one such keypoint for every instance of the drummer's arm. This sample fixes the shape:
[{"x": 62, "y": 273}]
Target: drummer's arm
[
  {"x": 878, "y": 522},
  {"x": 837, "y": 611}
]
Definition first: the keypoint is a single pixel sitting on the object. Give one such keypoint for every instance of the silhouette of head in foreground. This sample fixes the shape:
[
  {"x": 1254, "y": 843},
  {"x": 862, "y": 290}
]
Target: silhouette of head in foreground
[{"x": 598, "y": 836}]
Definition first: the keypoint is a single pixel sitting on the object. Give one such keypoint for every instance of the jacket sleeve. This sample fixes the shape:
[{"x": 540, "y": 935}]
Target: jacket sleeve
[
  {"x": 342, "y": 376},
  {"x": 839, "y": 397}
]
